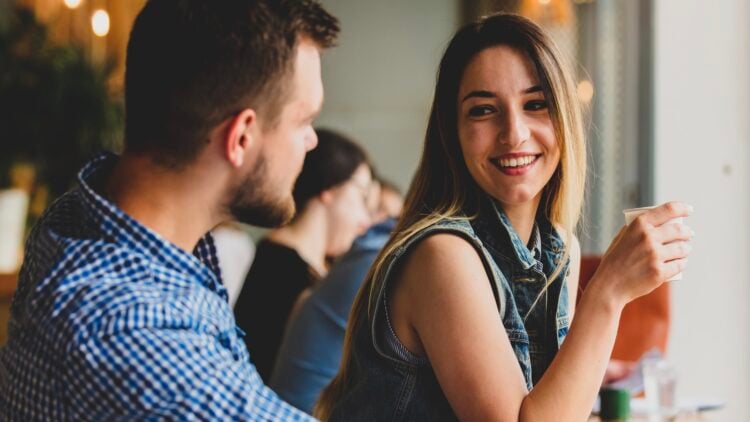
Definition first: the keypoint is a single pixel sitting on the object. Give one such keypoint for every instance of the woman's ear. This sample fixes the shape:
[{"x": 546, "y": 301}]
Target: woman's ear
[
  {"x": 240, "y": 136},
  {"x": 326, "y": 197}
]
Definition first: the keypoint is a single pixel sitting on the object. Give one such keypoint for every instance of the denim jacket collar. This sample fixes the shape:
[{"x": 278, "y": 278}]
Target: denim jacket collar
[
  {"x": 545, "y": 238},
  {"x": 520, "y": 249}
]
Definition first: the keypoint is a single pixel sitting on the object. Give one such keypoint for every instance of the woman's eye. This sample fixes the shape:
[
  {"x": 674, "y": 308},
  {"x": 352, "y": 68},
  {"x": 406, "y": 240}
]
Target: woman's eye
[
  {"x": 536, "y": 105},
  {"x": 478, "y": 111}
]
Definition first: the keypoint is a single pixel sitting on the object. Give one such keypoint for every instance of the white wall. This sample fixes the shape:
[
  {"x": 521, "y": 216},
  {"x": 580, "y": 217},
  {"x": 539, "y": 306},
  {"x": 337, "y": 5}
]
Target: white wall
[
  {"x": 702, "y": 110},
  {"x": 379, "y": 81}
]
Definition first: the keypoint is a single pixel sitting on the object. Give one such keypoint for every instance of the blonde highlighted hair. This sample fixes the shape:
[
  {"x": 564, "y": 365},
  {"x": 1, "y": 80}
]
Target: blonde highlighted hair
[{"x": 442, "y": 187}]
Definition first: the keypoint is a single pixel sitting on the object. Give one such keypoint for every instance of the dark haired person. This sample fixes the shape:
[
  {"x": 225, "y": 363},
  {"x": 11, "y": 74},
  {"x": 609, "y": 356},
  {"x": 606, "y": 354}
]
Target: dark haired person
[
  {"x": 120, "y": 311},
  {"x": 468, "y": 312},
  {"x": 310, "y": 352},
  {"x": 331, "y": 196}
]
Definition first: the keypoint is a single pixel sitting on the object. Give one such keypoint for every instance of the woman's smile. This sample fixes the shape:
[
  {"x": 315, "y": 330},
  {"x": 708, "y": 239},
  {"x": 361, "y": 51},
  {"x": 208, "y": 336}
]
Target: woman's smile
[
  {"x": 516, "y": 164},
  {"x": 506, "y": 134}
]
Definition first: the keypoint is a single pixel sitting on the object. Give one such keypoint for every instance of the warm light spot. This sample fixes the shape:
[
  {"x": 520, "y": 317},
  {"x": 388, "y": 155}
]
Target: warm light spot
[
  {"x": 544, "y": 2},
  {"x": 100, "y": 23},
  {"x": 585, "y": 91},
  {"x": 72, "y": 4}
]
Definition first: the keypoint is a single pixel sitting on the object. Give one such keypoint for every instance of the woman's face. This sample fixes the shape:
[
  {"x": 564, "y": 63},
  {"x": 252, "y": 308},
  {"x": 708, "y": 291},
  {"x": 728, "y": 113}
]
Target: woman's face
[
  {"x": 504, "y": 128},
  {"x": 348, "y": 211}
]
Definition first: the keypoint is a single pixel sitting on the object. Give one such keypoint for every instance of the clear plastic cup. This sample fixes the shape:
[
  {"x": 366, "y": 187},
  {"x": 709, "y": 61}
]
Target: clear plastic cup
[
  {"x": 632, "y": 213},
  {"x": 659, "y": 383}
]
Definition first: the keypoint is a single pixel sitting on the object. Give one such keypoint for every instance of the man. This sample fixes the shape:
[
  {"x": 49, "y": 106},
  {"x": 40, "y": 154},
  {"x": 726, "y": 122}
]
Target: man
[{"x": 120, "y": 311}]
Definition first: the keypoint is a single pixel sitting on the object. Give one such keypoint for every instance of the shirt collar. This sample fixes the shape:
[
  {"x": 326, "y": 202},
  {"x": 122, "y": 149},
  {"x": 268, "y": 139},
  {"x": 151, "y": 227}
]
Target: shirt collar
[{"x": 118, "y": 227}]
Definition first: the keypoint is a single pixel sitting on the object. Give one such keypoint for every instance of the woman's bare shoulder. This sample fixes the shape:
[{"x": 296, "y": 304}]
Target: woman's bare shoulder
[{"x": 442, "y": 260}]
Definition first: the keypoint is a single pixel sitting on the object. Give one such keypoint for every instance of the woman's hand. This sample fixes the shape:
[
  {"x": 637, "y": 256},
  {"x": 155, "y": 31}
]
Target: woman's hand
[{"x": 645, "y": 253}]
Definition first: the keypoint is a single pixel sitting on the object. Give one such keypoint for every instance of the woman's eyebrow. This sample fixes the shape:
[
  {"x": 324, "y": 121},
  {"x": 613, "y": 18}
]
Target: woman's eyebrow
[
  {"x": 490, "y": 94},
  {"x": 480, "y": 94},
  {"x": 533, "y": 89}
]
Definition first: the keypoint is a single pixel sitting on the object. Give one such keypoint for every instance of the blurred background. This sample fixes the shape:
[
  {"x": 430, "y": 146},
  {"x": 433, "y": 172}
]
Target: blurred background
[{"x": 666, "y": 82}]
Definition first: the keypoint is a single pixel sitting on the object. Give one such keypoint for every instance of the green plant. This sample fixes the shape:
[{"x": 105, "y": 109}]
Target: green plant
[{"x": 55, "y": 110}]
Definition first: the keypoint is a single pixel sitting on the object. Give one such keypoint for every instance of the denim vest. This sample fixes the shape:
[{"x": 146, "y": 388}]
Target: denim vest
[{"x": 384, "y": 387}]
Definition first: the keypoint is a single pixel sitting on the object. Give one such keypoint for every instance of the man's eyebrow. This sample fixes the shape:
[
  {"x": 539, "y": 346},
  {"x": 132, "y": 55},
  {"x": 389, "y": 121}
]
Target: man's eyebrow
[{"x": 313, "y": 114}]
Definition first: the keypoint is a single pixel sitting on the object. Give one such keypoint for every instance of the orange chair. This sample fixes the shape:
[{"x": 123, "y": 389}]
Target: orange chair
[{"x": 644, "y": 323}]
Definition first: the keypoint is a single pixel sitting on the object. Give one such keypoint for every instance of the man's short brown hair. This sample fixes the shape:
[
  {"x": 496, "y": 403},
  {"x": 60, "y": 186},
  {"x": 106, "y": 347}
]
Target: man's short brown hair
[{"x": 191, "y": 64}]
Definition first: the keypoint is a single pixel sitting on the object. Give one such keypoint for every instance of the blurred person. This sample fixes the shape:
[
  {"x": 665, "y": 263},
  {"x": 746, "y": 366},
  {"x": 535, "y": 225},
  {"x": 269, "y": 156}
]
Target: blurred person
[
  {"x": 310, "y": 352},
  {"x": 466, "y": 314},
  {"x": 390, "y": 201},
  {"x": 331, "y": 197},
  {"x": 120, "y": 311}
]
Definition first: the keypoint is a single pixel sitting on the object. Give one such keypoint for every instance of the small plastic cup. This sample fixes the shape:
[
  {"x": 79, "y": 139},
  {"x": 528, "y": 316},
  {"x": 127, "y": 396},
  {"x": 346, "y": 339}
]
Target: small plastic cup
[
  {"x": 659, "y": 382},
  {"x": 632, "y": 213}
]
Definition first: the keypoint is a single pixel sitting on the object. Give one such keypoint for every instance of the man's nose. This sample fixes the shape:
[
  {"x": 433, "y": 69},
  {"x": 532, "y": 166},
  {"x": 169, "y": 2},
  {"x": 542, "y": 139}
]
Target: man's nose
[{"x": 311, "y": 141}]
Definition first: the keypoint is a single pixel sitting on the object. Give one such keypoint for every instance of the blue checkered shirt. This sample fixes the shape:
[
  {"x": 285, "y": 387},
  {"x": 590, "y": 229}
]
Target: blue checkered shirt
[{"x": 111, "y": 321}]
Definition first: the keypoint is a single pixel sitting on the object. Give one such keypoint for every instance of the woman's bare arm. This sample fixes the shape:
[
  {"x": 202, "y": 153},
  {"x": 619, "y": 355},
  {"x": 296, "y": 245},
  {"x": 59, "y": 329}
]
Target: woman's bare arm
[
  {"x": 443, "y": 306},
  {"x": 573, "y": 279}
]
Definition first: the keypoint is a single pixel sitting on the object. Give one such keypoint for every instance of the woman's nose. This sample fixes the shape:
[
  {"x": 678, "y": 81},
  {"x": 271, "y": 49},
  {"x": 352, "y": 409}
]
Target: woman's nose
[{"x": 515, "y": 129}]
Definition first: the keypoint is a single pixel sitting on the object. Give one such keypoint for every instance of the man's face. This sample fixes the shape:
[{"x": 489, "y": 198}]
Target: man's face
[{"x": 264, "y": 196}]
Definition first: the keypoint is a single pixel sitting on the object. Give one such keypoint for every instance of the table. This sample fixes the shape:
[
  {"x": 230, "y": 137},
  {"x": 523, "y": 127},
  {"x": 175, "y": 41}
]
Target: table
[{"x": 8, "y": 283}]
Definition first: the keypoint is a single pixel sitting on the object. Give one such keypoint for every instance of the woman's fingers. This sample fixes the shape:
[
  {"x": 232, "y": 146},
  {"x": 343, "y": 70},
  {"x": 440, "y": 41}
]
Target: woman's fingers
[
  {"x": 672, "y": 232},
  {"x": 676, "y": 250},
  {"x": 672, "y": 268},
  {"x": 648, "y": 251},
  {"x": 665, "y": 212}
]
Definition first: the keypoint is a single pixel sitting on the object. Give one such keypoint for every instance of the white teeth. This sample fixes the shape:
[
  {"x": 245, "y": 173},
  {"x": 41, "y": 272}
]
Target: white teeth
[{"x": 516, "y": 162}]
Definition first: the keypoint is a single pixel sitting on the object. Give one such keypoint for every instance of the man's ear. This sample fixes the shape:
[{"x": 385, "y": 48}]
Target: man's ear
[{"x": 240, "y": 136}]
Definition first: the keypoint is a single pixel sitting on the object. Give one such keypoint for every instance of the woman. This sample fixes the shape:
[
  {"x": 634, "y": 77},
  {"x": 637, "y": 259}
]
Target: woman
[
  {"x": 331, "y": 196},
  {"x": 310, "y": 353},
  {"x": 486, "y": 242}
]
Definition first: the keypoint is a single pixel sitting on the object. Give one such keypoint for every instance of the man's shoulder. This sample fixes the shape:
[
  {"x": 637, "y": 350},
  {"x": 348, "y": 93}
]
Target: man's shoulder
[
  {"x": 80, "y": 269},
  {"x": 86, "y": 278},
  {"x": 89, "y": 297},
  {"x": 77, "y": 280},
  {"x": 59, "y": 258}
]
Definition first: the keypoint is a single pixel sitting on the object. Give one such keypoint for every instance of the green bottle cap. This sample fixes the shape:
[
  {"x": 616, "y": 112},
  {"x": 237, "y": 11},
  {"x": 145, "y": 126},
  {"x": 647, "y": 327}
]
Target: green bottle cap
[{"x": 615, "y": 404}]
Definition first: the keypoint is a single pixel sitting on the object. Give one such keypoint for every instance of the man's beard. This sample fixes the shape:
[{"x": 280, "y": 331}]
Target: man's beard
[{"x": 257, "y": 204}]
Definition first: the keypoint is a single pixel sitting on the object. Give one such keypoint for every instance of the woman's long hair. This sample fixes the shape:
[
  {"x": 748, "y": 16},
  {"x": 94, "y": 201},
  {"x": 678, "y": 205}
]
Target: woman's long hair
[{"x": 443, "y": 188}]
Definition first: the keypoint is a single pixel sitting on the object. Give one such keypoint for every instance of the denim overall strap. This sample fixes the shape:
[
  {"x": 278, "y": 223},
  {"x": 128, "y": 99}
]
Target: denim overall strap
[
  {"x": 499, "y": 284},
  {"x": 553, "y": 249}
]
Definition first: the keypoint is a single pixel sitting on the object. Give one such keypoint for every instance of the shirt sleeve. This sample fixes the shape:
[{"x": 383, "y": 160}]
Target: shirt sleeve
[{"x": 167, "y": 373}]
